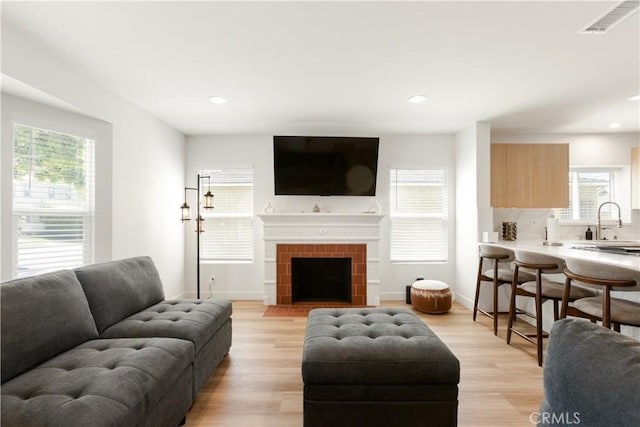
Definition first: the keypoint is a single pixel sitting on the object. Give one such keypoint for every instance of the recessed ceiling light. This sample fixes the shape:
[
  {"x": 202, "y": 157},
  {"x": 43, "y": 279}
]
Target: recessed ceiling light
[
  {"x": 417, "y": 99},
  {"x": 217, "y": 100},
  {"x": 635, "y": 98},
  {"x": 614, "y": 125}
]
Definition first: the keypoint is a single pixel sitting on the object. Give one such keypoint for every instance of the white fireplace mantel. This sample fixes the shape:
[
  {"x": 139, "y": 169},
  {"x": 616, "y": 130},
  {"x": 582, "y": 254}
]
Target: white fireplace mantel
[{"x": 322, "y": 228}]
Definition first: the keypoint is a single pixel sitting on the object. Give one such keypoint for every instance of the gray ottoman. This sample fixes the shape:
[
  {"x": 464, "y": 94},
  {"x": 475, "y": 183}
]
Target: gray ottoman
[{"x": 376, "y": 367}]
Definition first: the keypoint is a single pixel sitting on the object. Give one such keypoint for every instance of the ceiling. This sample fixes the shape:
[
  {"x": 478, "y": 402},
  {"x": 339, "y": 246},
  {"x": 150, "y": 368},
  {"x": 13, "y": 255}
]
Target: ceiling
[{"x": 349, "y": 67}]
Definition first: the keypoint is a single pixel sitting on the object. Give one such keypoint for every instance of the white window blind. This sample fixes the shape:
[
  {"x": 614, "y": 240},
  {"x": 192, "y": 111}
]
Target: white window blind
[
  {"x": 228, "y": 229},
  {"x": 53, "y": 201},
  {"x": 418, "y": 215},
  {"x": 587, "y": 190}
]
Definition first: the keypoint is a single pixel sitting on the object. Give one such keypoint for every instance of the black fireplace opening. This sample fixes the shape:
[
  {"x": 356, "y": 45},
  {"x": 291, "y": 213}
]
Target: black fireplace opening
[{"x": 321, "y": 279}]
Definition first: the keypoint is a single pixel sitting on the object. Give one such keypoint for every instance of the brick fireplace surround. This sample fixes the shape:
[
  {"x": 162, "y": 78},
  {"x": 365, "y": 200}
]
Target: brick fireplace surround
[
  {"x": 357, "y": 253},
  {"x": 321, "y": 235}
]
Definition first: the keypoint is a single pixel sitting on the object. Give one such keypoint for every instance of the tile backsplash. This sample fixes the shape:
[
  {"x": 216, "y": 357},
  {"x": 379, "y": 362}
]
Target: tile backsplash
[{"x": 531, "y": 224}]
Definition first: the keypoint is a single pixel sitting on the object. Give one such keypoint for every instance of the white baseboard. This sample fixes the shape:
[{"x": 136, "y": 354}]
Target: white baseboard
[
  {"x": 464, "y": 301},
  {"x": 392, "y": 296},
  {"x": 221, "y": 295}
]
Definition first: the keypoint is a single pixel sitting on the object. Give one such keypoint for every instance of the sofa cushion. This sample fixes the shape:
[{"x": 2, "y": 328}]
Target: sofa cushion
[
  {"x": 42, "y": 316},
  {"x": 591, "y": 376},
  {"x": 118, "y": 289},
  {"x": 193, "y": 320},
  {"x": 99, "y": 383}
]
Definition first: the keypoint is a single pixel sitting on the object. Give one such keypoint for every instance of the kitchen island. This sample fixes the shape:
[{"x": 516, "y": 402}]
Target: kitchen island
[{"x": 580, "y": 249}]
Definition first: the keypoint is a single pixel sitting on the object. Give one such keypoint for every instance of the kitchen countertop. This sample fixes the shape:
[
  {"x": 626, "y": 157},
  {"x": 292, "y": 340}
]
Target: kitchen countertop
[{"x": 567, "y": 251}]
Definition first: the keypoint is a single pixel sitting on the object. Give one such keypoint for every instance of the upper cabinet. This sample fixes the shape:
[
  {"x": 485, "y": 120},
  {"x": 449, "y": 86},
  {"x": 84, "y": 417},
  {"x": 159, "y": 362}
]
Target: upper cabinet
[
  {"x": 530, "y": 175},
  {"x": 635, "y": 178}
]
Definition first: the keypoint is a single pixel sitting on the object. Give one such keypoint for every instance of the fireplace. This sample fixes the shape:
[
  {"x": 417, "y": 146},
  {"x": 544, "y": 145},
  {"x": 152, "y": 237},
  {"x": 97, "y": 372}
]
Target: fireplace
[
  {"x": 353, "y": 254},
  {"x": 322, "y": 235},
  {"x": 320, "y": 279}
]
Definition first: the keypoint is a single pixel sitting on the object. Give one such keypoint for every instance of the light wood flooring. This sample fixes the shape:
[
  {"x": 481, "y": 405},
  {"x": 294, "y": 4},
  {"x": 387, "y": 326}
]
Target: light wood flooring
[{"x": 259, "y": 383}]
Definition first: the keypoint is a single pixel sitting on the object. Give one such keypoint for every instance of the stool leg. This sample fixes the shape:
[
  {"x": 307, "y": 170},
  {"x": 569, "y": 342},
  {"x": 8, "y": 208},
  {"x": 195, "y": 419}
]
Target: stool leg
[
  {"x": 555, "y": 310},
  {"x": 512, "y": 303},
  {"x": 566, "y": 291},
  {"x": 478, "y": 282},
  {"x": 495, "y": 298},
  {"x": 606, "y": 308},
  {"x": 539, "y": 315}
]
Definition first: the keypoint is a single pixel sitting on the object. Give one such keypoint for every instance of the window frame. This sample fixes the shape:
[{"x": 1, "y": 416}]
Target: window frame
[
  {"x": 209, "y": 216},
  {"x": 443, "y": 215},
  {"x": 619, "y": 190},
  {"x": 86, "y": 212}
]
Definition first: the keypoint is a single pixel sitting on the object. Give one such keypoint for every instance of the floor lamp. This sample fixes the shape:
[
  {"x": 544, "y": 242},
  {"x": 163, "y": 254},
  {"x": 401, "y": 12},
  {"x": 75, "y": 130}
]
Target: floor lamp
[{"x": 185, "y": 213}]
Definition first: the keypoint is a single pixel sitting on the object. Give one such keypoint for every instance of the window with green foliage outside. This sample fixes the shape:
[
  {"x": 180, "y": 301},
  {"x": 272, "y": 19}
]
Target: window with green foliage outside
[{"x": 53, "y": 201}]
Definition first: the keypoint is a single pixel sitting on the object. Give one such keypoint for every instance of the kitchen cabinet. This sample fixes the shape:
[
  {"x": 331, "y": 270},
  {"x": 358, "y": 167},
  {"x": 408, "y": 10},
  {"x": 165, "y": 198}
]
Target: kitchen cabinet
[
  {"x": 530, "y": 175},
  {"x": 635, "y": 178}
]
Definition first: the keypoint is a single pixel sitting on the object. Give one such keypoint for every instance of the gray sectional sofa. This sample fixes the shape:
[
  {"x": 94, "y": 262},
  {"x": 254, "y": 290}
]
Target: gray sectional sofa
[
  {"x": 591, "y": 377},
  {"x": 99, "y": 346}
]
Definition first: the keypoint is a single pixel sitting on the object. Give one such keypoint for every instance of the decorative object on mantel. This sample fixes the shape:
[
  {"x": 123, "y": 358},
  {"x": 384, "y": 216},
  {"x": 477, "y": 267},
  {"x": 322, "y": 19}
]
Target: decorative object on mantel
[
  {"x": 269, "y": 209},
  {"x": 316, "y": 209},
  {"x": 185, "y": 211},
  {"x": 375, "y": 207}
]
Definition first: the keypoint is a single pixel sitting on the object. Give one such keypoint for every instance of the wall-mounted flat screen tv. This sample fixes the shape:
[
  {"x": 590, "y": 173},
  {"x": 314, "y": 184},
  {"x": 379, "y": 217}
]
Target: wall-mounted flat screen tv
[{"x": 325, "y": 166}]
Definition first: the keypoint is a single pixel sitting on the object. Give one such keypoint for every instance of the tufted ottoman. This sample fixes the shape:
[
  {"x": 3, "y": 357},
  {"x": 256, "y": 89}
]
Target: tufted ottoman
[{"x": 376, "y": 367}]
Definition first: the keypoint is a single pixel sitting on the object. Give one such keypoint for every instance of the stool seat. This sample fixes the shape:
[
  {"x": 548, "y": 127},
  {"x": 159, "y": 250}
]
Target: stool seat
[
  {"x": 431, "y": 296},
  {"x": 506, "y": 275},
  {"x": 622, "y": 311},
  {"x": 551, "y": 289},
  {"x": 611, "y": 311}
]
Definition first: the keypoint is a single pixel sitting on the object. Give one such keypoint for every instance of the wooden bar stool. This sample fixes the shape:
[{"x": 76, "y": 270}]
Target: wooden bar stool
[
  {"x": 541, "y": 289},
  {"x": 497, "y": 276},
  {"x": 603, "y": 307}
]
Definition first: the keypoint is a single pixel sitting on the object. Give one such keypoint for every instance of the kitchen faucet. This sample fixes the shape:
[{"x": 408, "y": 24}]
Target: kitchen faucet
[{"x": 599, "y": 226}]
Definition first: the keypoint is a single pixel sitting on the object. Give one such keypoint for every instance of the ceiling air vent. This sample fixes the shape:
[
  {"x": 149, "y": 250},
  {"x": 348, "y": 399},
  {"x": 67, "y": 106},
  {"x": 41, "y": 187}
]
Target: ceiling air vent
[{"x": 612, "y": 17}]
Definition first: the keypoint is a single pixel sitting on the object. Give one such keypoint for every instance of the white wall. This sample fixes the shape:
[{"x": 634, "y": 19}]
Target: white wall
[
  {"x": 147, "y": 160},
  {"x": 473, "y": 214},
  {"x": 245, "y": 281}
]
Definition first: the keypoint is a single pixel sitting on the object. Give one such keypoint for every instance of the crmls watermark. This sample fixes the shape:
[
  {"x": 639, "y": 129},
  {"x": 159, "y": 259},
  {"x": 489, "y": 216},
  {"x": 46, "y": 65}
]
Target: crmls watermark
[{"x": 555, "y": 418}]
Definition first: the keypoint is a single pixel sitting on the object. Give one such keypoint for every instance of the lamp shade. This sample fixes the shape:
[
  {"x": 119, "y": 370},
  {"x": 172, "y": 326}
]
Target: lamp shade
[
  {"x": 200, "y": 224},
  {"x": 208, "y": 200},
  {"x": 185, "y": 212}
]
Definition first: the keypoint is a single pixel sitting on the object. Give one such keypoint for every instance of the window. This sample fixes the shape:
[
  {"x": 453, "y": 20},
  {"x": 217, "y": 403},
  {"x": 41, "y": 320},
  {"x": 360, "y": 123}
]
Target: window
[
  {"x": 588, "y": 189},
  {"x": 53, "y": 201},
  {"x": 418, "y": 215},
  {"x": 228, "y": 229}
]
